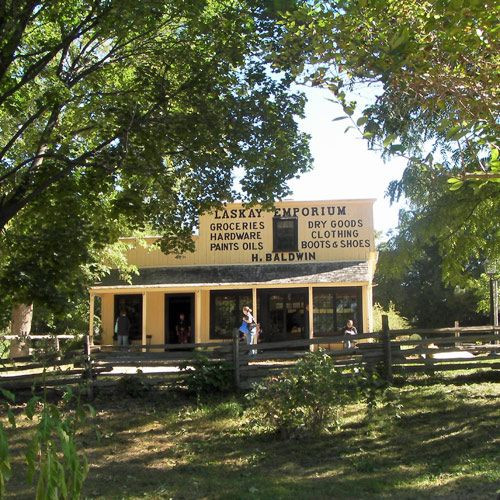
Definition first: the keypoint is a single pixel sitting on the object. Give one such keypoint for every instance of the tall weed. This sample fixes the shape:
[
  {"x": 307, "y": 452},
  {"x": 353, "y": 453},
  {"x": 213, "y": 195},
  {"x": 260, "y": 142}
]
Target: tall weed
[{"x": 53, "y": 459}]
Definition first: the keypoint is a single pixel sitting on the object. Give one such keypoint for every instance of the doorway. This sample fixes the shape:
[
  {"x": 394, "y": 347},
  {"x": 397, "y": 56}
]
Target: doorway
[
  {"x": 175, "y": 305},
  {"x": 283, "y": 314},
  {"x": 132, "y": 305}
]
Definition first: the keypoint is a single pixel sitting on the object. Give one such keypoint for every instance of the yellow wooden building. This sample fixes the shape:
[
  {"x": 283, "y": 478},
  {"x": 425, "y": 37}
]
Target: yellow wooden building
[{"x": 305, "y": 268}]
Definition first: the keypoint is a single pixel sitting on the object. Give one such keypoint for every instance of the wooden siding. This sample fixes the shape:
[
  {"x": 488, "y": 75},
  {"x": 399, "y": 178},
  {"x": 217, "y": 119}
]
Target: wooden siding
[{"x": 336, "y": 230}]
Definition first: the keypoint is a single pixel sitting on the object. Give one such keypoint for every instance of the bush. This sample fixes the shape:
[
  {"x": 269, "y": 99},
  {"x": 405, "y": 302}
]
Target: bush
[
  {"x": 133, "y": 385},
  {"x": 309, "y": 397},
  {"x": 206, "y": 376},
  {"x": 396, "y": 320}
]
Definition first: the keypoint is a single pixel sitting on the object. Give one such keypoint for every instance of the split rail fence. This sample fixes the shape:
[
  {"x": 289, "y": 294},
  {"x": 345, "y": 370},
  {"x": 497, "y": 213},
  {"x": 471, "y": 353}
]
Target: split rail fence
[{"x": 395, "y": 351}]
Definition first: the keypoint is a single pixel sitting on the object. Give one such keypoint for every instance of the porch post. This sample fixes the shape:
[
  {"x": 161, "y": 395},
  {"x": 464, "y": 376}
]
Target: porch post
[
  {"x": 310, "y": 312},
  {"x": 369, "y": 301},
  {"x": 366, "y": 310},
  {"x": 144, "y": 317},
  {"x": 197, "y": 317},
  {"x": 254, "y": 311},
  {"x": 91, "y": 319}
]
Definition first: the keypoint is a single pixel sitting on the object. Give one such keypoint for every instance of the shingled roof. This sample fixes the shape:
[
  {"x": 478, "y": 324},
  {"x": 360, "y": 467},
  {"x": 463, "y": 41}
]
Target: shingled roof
[{"x": 214, "y": 276}]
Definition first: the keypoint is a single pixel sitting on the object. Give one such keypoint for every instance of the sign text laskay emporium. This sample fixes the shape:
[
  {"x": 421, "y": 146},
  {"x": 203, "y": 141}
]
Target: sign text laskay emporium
[{"x": 327, "y": 227}]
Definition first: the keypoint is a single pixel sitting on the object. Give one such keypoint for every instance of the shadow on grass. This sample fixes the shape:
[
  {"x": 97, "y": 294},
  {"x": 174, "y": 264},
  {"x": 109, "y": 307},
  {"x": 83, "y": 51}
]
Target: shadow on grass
[
  {"x": 476, "y": 377},
  {"x": 164, "y": 446}
]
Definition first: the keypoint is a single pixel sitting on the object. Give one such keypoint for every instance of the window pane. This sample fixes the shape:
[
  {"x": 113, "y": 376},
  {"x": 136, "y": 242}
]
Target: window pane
[
  {"x": 324, "y": 314},
  {"x": 286, "y": 316},
  {"x": 285, "y": 235},
  {"x": 226, "y": 312},
  {"x": 347, "y": 308},
  {"x": 333, "y": 307}
]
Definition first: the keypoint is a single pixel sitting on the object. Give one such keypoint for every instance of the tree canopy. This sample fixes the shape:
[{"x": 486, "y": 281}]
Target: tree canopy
[
  {"x": 119, "y": 115},
  {"x": 419, "y": 294},
  {"x": 433, "y": 68},
  {"x": 159, "y": 101}
]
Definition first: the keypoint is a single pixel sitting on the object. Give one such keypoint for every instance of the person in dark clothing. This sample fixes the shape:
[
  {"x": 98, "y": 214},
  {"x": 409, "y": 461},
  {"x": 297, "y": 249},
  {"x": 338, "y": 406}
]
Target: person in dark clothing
[
  {"x": 182, "y": 329},
  {"x": 122, "y": 328}
]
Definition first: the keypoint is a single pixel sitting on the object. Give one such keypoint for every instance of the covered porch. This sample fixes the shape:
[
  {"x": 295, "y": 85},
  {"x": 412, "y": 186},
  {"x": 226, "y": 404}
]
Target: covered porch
[{"x": 290, "y": 301}]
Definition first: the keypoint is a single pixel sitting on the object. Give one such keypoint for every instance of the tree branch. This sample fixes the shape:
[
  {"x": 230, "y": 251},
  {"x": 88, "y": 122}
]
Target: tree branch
[{"x": 21, "y": 130}]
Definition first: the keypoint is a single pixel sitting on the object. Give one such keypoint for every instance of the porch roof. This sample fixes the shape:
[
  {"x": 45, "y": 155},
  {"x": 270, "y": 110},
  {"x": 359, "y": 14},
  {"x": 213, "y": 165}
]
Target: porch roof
[{"x": 216, "y": 276}]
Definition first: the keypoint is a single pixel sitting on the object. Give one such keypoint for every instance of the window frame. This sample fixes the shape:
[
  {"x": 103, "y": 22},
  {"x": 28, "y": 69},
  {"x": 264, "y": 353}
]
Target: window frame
[
  {"x": 295, "y": 243},
  {"x": 232, "y": 293},
  {"x": 337, "y": 293}
]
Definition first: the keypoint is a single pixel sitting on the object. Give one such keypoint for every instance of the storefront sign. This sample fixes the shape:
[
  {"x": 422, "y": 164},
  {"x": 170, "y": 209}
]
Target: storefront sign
[{"x": 323, "y": 231}]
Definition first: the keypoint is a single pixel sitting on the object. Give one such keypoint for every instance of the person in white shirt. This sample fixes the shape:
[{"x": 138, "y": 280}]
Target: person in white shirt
[{"x": 349, "y": 331}]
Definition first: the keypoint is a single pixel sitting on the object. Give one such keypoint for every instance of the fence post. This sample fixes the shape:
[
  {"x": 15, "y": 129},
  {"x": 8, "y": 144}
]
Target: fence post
[
  {"x": 457, "y": 333},
  {"x": 386, "y": 336},
  {"x": 88, "y": 375},
  {"x": 57, "y": 347},
  {"x": 236, "y": 358}
]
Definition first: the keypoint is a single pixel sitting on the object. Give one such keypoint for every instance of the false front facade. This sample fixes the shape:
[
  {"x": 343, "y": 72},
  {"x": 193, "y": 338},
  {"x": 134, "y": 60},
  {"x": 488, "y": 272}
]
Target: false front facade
[{"x": 305, "y": 268}]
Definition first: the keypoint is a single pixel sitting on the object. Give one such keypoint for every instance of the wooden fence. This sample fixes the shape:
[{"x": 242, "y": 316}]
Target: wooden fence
[{"x": 395, "y": 351}]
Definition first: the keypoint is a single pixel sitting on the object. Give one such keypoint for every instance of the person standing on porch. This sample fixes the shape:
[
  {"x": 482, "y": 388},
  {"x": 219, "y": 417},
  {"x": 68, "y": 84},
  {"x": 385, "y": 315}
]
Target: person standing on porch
[
  {"x": 122, "y": 328},
  {"x": 349, "y": 331},
  {"x": 182, "y": 329},
  {"x": 249, "y": 328}
]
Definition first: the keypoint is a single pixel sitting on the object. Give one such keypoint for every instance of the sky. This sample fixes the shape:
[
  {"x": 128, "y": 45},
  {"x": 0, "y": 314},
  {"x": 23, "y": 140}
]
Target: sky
[{"x": 344, "y": 168}]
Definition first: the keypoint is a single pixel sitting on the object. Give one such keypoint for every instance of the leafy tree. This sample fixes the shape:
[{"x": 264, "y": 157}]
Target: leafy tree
[
  {"x": 433, "y": 68},
  {"x": 120, "y": 115},
  {"x": 418, "y": 292},
  {"x": 158, "y": 101}
]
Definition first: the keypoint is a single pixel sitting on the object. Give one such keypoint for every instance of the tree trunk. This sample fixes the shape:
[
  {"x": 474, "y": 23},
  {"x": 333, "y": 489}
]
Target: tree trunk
[{"x": 20, "y": 325}]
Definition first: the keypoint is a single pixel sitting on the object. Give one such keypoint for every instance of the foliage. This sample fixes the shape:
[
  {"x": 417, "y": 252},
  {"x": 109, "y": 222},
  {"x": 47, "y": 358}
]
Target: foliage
[
  {"x": 120, "y": 115},
  {"x": 309, "y": 396},
  {"x": 419, "y": 293},
  {"x": 430, "y": 449},
  {"x": 4, "y": 348},
  {"x": 396, "y": 320},
  {"x": 432, "y": 69},
  {"x": 153, "y": 104},
  {"x": 5, "y": 465},
  {"x": 206, "y": 376},
  {"x": 5, "y": 470},
  {"x": 52, "y": 453}
]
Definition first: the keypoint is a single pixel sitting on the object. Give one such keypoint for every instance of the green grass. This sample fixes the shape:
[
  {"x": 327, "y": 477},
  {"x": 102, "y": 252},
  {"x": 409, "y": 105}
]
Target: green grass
[{"x": 438, "y": 438}]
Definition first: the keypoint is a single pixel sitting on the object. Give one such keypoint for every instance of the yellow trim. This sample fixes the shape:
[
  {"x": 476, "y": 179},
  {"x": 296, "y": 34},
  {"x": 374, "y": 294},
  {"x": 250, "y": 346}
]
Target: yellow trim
[
  {"x": 197, "y": 316},
  {"x": 191, "y": 288},
  {"x": 144, "y": 317}
]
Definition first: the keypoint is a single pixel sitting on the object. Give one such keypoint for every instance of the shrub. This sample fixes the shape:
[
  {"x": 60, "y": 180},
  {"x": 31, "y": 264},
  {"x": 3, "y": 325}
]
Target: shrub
[
  {"x": 309, "y": 397},
  {"x": 206, "y": 376},
  {"x": 133, "y": 385},
  {"x": 396, "y": 320}
]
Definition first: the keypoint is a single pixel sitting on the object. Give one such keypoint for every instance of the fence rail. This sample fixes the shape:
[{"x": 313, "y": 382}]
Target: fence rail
[{"x": 397, "y": 351}]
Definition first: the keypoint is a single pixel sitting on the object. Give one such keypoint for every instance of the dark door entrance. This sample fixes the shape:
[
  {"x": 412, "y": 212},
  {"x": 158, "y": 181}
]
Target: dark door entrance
[
  {"x": 132, "y": 305},
  {"x": 283, "y": 314},
  {"x": 175, "y": 305}
]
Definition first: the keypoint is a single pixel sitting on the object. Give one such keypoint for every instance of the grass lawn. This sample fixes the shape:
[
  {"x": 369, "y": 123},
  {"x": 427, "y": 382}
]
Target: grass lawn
[{"x": 439, "y": 441}]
